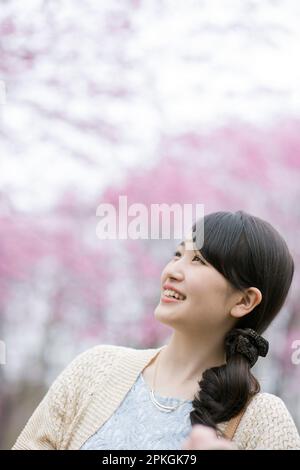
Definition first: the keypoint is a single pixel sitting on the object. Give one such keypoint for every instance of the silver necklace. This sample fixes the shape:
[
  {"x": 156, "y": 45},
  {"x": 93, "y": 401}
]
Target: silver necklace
[{"x": 160, "y": 406}]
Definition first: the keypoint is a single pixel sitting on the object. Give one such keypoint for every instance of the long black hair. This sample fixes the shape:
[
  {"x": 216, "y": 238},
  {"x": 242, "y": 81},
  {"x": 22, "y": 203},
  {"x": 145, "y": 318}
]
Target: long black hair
[{"x": 248, "y": 252}]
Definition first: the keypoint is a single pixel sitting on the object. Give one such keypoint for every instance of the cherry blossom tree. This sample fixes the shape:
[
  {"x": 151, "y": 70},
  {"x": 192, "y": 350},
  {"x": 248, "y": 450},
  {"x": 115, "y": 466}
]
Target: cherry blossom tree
[{"x": 193, "y": 103}]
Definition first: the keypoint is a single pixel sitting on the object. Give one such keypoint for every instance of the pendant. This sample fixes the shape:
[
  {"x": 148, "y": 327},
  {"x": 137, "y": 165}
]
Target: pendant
[{"x": 161, "y": 407}]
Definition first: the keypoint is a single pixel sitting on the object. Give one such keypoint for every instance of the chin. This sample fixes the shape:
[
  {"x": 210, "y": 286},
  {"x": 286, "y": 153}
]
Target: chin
[{"x": 166, "y": 315}]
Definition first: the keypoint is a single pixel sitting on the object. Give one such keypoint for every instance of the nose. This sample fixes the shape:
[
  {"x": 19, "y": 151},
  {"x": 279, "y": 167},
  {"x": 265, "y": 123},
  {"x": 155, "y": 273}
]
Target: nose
[{"x": 173, "y": 271}]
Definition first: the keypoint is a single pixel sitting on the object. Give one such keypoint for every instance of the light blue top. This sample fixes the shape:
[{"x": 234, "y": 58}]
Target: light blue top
[{"x": 138, "y": 424}]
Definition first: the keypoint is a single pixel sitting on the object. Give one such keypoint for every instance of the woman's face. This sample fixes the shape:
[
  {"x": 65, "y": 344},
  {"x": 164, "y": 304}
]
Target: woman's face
[{"x": 208, "y": 296}]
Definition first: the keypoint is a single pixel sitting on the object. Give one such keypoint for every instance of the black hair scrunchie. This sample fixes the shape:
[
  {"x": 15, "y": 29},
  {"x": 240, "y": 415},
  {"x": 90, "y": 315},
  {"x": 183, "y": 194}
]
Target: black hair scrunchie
[{"x": 247, "y": 342}]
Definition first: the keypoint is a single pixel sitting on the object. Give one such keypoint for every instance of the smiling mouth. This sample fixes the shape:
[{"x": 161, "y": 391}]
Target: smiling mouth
[{"x": 172, "y": 296}]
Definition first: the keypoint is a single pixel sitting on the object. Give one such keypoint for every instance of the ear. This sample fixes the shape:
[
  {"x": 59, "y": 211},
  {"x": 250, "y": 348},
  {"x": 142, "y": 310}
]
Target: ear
[{"x": 246, "y": 302}]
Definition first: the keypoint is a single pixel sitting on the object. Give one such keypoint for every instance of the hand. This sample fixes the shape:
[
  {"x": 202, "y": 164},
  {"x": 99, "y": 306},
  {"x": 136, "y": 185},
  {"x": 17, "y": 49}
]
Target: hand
[{"x": 205, "y": 438}]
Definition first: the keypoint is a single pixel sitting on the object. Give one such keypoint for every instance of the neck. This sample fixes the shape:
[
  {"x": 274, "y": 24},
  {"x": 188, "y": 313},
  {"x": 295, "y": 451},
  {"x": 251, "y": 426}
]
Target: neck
[{"x": 184, "y": 359}]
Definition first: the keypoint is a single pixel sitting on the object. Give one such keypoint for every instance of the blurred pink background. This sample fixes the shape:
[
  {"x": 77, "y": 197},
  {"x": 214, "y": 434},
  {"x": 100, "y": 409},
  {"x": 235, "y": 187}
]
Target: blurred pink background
[{"x": 159, "y": 100}]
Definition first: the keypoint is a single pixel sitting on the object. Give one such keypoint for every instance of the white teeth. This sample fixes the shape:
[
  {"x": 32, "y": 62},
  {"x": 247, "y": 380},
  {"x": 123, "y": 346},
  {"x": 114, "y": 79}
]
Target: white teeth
[{"x": 172, "y": 293}]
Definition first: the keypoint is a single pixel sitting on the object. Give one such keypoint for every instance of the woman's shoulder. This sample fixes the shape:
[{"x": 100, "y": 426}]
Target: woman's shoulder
[
  {"x": 266, "y": 407},
  {"x": 108, "y": 352},
  {"x": 266, "y": 403},
  {"x": 86, "y": 366},
  {"x": 265, "y": 397},
  {"x": 96, "y": 360},
  {"x": 267, "y": 423},
  {"x": 94, "y": 352},
  {"x": 91, "y": 356},
  {"x": 96, "y": 357}
]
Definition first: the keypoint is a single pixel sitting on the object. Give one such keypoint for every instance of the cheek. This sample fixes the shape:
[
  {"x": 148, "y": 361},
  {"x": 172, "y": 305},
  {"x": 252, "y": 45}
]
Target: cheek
[
  {"x": 206, "y": 296},
  {"x": 201, "y": 286}
]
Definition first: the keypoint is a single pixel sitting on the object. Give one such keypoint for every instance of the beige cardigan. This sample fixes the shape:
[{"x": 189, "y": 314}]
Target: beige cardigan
[{"x": 93, "y": 385}]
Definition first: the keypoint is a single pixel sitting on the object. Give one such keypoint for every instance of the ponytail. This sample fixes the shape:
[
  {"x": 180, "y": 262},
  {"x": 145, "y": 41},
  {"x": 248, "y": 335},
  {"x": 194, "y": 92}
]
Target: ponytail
[{"x": 225, "y": 390}]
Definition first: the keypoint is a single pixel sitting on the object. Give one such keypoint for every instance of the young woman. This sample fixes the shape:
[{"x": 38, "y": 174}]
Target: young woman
[{"x": 197, "y": 391}]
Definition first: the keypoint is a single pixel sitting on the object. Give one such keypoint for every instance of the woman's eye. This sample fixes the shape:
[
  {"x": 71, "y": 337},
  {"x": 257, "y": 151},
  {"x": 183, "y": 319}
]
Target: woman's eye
[
  {"x": 177, "y": 253},
  {"x": 199, "y": 259}
]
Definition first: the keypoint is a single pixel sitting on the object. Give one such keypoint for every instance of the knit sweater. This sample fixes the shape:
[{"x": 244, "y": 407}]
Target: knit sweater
[{"x": 93, "y": 385}]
